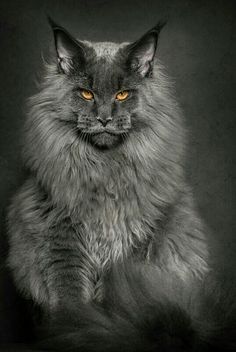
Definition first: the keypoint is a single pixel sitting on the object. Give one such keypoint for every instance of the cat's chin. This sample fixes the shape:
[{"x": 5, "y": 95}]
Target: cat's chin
[{"x": 105, "y": 140}]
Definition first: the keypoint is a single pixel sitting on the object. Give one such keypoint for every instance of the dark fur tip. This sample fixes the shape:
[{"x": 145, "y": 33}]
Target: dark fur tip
[
  {"x": 160, "y": 24},
  {"x": 52, "y": 23}
]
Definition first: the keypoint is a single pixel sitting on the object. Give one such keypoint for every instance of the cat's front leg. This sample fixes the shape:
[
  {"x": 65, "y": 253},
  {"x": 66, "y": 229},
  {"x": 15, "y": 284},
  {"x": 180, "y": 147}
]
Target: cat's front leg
[
  {"x": 45, "y": 265},
  {"x": 47, "y": 272},
  {"x": 69, "y": 270}
]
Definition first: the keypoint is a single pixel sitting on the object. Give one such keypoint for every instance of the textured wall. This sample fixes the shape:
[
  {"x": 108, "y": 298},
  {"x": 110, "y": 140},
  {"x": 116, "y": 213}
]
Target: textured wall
[{"x": 197, "y": 47}]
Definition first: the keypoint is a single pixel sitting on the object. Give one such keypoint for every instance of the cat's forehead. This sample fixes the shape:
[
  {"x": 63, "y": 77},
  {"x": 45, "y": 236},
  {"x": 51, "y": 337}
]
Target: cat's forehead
[
  {"x": 107, "y": 50},
  {"x": 104, "y": 73}
]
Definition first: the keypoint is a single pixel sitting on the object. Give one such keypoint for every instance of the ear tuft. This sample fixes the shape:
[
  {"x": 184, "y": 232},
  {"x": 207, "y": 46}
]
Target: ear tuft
[
  {"x": 67, "y": 48},
  {"x": 141, "y": 53},
  {"x": 51, "y": 22},
  {"x": 158, "y": 27}
]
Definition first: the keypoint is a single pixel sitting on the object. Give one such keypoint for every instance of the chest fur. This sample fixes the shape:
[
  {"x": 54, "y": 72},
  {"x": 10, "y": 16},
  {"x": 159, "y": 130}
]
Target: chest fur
[
  {"x": 113, "y": 223},
  {"x": 105, "y": 230}
]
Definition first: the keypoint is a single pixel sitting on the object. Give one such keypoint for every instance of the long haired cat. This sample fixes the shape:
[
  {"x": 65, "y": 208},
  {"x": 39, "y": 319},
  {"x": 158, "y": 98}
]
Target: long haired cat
[{"x": 105, "y": 145}]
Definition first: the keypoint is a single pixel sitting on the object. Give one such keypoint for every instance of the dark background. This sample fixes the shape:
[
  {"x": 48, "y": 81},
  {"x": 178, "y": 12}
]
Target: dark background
[{"x": 198, "y": 49}]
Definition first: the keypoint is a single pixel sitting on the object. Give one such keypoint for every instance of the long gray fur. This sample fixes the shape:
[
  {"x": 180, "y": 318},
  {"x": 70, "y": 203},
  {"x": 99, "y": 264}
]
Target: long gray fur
[{"x": 84, "y": 208}]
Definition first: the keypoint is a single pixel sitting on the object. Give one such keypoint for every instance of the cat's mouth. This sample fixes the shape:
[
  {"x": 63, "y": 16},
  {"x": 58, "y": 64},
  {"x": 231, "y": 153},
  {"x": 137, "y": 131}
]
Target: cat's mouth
[{"x": 104, "y": 138}]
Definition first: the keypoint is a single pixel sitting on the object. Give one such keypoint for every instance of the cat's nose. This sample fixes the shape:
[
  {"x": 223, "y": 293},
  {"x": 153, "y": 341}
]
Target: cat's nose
[{"x": 104, "y": 121}]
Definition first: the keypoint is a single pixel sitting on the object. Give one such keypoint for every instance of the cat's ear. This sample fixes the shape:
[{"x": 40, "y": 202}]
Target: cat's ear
[
  {"x": 141, "y": 53},
  {"x": 67, "y": 48}
]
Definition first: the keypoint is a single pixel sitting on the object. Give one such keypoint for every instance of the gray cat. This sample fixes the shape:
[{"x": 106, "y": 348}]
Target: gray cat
[{"x": 105, "y": 145}]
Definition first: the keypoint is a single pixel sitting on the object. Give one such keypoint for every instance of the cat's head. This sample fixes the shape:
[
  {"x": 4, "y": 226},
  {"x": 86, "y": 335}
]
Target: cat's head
[{"x": 103, "y": 83}]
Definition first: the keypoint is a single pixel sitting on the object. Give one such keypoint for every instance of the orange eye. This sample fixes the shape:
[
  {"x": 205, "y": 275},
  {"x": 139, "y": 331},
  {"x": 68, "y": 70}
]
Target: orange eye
[
  {"x": 122, "y": 95},
  {"x": 86, "y": 94}
]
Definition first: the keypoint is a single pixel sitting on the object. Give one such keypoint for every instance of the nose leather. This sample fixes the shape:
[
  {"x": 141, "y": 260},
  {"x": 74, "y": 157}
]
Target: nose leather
[{"x": 104, "y": 121}]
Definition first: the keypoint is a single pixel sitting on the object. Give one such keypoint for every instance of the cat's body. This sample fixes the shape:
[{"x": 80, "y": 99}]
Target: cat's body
[{"x": 95, "y": 199}]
